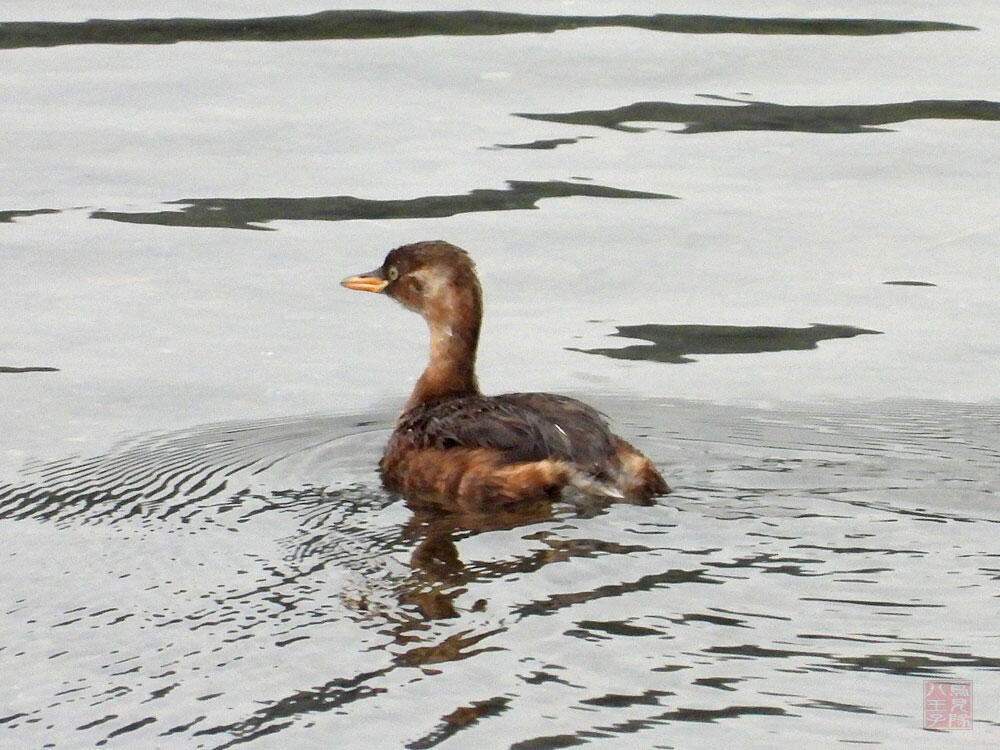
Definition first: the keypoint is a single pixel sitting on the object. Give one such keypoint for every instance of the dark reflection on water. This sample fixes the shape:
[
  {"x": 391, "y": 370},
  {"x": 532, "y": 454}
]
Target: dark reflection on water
[
  {"x": 459, "y": 719},
  {"x": 382, "y": 24},
  {"x": 16, "y": 370},
  {"x": 546, "y": 144},
  {"x": 741, "y": 114},
  {"x": 7, "y": 217},
  {"x": 248, "y": 213},
  {"x": 251, "y": 580},
  {"x": 335, "y": 695},
  {"x": 671, "y": 343}
]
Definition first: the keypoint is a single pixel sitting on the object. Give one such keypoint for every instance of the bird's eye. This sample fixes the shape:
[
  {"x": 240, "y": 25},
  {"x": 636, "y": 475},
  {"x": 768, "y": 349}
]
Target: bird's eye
[{"x": 393, "y": 273}]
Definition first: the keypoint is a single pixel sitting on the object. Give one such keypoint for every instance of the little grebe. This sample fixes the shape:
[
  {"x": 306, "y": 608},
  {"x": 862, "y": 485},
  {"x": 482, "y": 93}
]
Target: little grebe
[{"x": 459, "y": 450}]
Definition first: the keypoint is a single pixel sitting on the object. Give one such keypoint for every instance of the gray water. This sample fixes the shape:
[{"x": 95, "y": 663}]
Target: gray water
[{"x": 763, "y": 242}]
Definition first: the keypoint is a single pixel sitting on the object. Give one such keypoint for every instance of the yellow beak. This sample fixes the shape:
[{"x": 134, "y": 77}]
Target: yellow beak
[{"x": 366, "y": 283}]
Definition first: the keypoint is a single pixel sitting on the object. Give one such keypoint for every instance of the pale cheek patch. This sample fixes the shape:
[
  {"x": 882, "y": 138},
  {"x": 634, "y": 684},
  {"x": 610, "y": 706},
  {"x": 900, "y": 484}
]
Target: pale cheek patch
[
  {"x": 439, "y": 300},
  {"x": 432, "y": 282}
]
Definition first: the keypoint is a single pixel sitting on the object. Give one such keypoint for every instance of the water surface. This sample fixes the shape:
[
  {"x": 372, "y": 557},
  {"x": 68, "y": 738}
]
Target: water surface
[{"x": 248, "y": 581}]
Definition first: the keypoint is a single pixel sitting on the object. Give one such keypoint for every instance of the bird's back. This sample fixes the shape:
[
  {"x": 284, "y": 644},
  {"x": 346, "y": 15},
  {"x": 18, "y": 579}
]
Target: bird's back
[
  {"x": 472, "y": 452},
  {"x": 520, "y": 426}
]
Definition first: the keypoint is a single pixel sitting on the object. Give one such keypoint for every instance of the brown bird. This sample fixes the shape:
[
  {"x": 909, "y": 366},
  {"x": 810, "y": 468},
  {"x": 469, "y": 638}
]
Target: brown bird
[{"x": 456, "y": 449}]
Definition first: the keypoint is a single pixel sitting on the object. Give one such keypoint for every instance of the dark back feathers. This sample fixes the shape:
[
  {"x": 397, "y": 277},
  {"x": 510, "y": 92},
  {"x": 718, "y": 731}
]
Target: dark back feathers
[{"x": 523, "y": 426}]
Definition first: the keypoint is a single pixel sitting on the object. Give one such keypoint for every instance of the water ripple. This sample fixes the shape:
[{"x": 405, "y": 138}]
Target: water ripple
[{"x": 250, "y": 582}]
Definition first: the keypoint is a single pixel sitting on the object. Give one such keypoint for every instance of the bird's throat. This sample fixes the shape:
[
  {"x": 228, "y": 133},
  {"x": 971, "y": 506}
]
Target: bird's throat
[{"x": 451, "y": 370}]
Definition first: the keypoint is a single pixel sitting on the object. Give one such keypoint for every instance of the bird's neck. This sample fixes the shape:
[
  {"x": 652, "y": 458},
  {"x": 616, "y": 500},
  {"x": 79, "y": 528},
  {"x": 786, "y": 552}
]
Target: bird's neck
[{"x": 454, "y": 326}]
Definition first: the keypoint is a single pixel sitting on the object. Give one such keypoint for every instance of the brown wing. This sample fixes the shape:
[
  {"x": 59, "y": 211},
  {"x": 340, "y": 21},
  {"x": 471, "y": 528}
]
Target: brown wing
[{"x": 523, "y": 426}]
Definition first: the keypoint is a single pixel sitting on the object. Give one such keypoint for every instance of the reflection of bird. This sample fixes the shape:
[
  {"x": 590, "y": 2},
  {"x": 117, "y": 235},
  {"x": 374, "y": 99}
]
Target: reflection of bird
[{"x": 457, "y": 449}]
